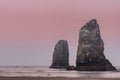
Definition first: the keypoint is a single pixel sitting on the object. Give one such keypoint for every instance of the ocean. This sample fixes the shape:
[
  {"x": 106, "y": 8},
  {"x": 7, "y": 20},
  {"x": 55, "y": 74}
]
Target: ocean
[{"x": 43, "y": 71}]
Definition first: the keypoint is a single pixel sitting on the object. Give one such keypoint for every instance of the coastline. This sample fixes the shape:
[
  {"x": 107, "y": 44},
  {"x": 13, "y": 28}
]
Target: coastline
[
  {"x": 44, "y": 73},
  {"x": 53, "y": 78}
]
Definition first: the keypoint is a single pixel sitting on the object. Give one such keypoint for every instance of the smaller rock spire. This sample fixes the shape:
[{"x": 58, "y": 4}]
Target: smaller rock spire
[{"x": 60, "y": 55}]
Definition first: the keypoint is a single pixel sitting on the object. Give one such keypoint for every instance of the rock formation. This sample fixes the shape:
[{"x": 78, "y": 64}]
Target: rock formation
[
  {"x": 60, "y": 55},
  {"x": 90, "y": 50}
]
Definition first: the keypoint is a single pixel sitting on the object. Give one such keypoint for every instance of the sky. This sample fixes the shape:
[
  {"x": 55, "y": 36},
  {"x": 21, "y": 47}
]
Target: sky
[{"x": 29, "y": 29}]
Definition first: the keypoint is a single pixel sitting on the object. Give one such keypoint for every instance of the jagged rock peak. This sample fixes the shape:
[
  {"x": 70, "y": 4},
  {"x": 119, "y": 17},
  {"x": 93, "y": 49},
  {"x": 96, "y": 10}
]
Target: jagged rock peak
[
  {"x": 60, "y": 55},
  {"x": 91, "y": 24},
  {"x": 90, "y": 50}
]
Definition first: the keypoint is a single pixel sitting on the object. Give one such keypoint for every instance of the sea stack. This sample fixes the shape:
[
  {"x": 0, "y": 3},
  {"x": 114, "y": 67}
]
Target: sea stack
[
  {"x": 90, "y": 56},
  {"x": 60, "y": 55}
]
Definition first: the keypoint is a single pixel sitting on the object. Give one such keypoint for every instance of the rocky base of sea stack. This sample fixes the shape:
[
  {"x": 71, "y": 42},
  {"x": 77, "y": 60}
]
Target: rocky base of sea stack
[
  {"x": 69, "y": 68},
  {"x": 95, "y": 68},
  {"x": 92, "y": 68},
  {"x": 103, "y": 65},
  {"x": 58, "y": 67}
]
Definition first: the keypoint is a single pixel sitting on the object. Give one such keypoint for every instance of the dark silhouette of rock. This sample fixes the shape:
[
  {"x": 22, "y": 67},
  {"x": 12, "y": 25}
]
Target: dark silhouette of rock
[
  {"x": 71, "y": 68},
  {"x": 90, "y": 56},
  {"x": 60, "y": 55}
]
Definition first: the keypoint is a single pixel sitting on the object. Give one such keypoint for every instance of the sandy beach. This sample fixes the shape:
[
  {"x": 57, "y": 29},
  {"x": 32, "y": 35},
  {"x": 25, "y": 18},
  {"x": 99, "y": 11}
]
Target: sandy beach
[{"x": 54, "y": 78}]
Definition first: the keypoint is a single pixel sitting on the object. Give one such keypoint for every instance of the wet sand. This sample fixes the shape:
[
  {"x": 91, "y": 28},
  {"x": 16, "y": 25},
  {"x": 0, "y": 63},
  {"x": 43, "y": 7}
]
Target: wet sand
[{"x": 54, "y": 78}]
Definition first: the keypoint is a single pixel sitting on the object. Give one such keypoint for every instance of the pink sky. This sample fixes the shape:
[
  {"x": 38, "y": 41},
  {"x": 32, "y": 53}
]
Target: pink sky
[{"x": 31, "y": 26}]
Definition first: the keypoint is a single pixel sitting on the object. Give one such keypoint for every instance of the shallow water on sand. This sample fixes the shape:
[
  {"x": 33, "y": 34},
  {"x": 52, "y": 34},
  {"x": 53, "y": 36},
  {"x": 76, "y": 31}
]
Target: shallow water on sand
[{"x": 39, "y": 71}]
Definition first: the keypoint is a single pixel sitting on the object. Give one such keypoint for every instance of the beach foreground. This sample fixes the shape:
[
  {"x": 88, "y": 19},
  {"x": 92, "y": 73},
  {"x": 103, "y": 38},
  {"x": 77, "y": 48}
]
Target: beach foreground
[{"x": 54, "y": 78}]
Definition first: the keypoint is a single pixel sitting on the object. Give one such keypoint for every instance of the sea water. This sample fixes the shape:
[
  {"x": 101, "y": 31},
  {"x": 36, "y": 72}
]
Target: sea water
[{"x": 43, "y": 71}]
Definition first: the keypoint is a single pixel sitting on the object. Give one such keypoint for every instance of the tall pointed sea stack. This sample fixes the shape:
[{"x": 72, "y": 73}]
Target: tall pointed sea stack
[
  {"x": 90, "y": 56},
  {"x": 60, "y": 55}
]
